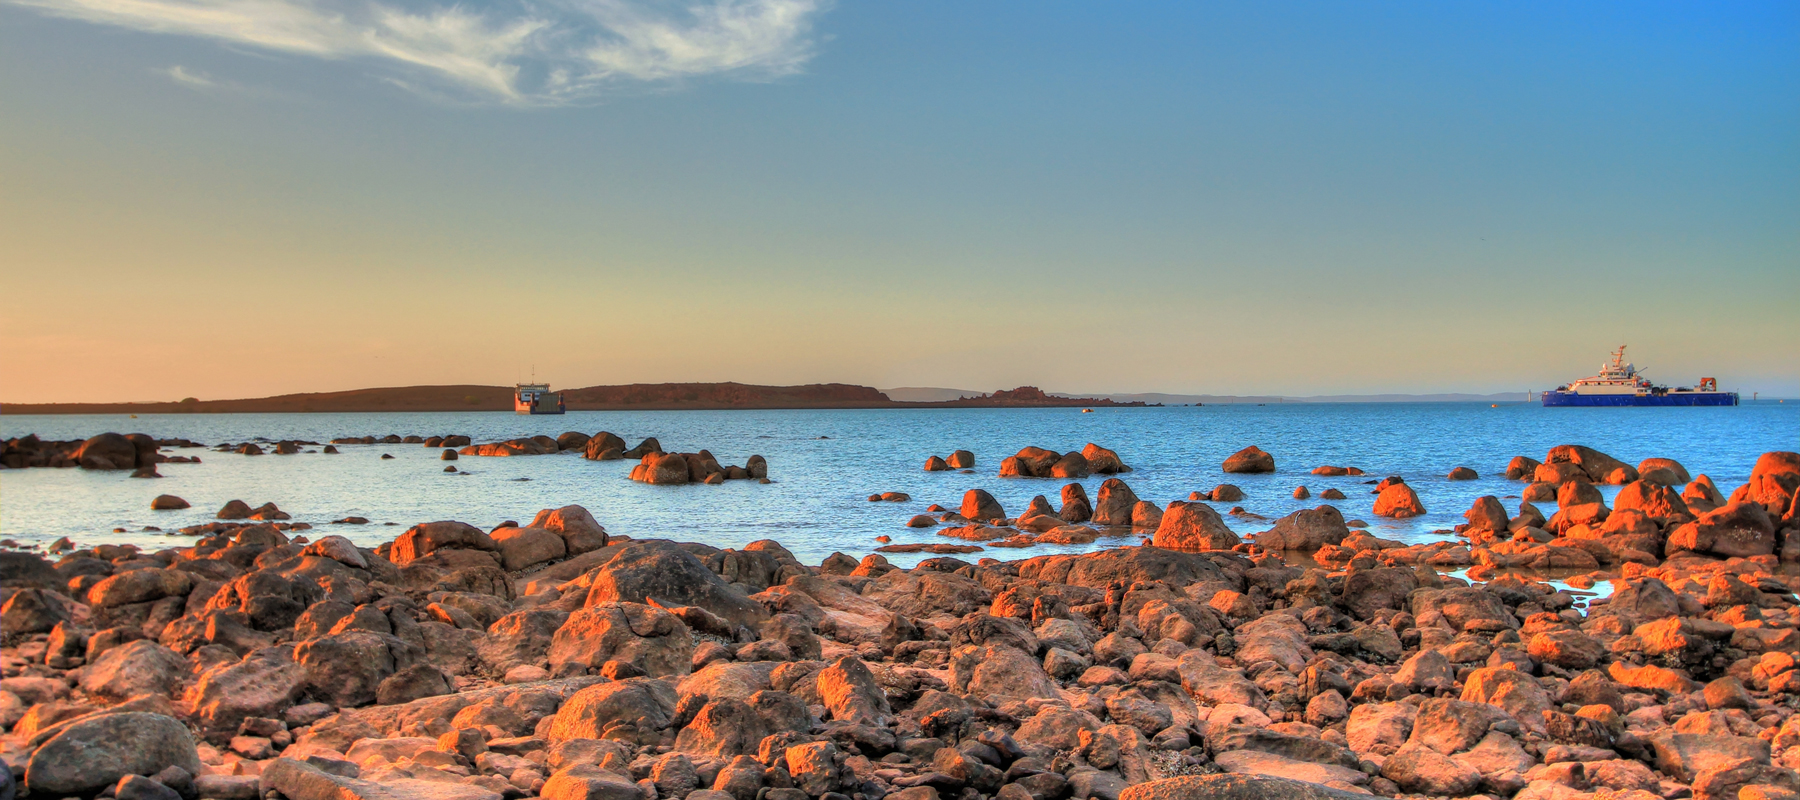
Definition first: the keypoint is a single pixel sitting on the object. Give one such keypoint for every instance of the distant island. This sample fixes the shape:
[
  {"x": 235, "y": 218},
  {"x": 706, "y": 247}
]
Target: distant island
[{"x": 635, "y": 397}]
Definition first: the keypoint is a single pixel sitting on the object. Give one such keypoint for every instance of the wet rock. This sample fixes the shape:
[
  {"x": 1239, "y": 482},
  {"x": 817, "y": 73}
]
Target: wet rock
[
  {"x": 1113, "y": 503},
  {"x": 1075, "y": 505},
  {"x": 1398, "y": 501},
  {"x": 1103, "y": 461},
  {"x": 979, "y": 506},
  {"x": 1193, "y": 527},
  {"x": 1306, "y": 530},
  {"x": 167, "y": 502},
  {"x": 1736, "y": 530},
  {"x": 1250, "y": 460},
  {"x": 1462, "y": 474},
  {"x": 1666, "y": 471}
]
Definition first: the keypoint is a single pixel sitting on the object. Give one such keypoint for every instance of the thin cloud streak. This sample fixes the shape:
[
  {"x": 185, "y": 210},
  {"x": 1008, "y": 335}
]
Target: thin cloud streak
[
  {"x": 523, "y": 54},
  {"x": 182, "y": 75}
]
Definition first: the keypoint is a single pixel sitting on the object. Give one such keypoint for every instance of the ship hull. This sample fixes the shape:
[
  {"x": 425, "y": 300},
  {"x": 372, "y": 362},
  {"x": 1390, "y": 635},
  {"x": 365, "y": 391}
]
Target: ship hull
[{"x": 1617, "y": 400}]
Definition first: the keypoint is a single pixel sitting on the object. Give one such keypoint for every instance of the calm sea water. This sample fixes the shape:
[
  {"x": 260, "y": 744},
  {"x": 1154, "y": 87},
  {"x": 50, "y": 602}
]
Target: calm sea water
[{"x": 826, "y": 463}]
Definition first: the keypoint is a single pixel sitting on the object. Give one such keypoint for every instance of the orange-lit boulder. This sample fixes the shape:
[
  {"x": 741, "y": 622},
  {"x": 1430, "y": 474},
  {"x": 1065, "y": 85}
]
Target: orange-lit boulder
[
  {"x": 1398, "y": 501},
  {"x": 979, "y": 506},
  {"x": 1250, "y": 460},
  {"x": 1193, "y": 527}
]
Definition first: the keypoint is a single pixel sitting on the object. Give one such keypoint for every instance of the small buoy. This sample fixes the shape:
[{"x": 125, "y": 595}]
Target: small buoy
[
  {"x": 1494, "y": 405},
  {"x": 1087, "y": 411}
]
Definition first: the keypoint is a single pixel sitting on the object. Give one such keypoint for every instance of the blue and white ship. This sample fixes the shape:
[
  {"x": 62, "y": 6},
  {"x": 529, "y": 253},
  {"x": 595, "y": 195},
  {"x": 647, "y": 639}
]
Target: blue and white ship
[{"x": 1620, "y": 384}]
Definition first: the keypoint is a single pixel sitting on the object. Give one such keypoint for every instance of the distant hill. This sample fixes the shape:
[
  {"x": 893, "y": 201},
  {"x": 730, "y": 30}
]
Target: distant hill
[{"x": 637, "y": 396}]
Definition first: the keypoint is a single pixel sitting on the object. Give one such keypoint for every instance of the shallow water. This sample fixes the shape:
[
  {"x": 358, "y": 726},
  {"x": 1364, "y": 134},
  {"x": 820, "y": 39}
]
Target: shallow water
[{"x": 826, "y": 463}]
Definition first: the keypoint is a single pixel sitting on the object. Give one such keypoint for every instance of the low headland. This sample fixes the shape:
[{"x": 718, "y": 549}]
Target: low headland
[{"x": 629, "y": 397}]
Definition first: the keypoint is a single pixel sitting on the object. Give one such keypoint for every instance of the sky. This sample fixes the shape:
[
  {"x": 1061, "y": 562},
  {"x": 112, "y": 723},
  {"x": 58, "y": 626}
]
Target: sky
[{"x": 238, "y": 198}]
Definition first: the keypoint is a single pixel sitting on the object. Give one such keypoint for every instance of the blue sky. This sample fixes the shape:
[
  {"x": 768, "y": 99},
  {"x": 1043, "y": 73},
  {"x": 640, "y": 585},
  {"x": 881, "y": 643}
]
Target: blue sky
[{"x": 1296, "y": 198}]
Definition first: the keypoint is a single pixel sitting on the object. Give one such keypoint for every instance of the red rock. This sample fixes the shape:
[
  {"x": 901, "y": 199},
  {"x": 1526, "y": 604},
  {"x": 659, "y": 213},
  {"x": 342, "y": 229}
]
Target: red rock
[
  {"x": 1773, "y": 482},
  {"x": 980, "y": 506},
  {"x": 1250, "y": 460},
  {"x": 1114, "y": 504},
  {"x": 1736, "y": 530},
  {"x": 1193, "y": 527},
  {"x": 1462, "y": 474},
  {"x": 1103, "y": 461},
  {"x": 1398, "y": 501}
]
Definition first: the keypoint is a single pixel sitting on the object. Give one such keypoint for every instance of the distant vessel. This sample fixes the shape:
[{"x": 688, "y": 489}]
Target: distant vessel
[
  {"x": 1620, "y": 384},
  {"x": 535, "y": 398}
]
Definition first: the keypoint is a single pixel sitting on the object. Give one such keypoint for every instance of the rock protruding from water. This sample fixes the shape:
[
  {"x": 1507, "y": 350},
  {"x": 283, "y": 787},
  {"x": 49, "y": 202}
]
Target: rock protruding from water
[{"x": 1250, "y": 460}]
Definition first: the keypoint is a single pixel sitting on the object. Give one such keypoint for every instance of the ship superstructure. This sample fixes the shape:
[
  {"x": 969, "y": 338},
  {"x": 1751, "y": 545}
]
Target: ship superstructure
[{"x": 1619, "y": 383}]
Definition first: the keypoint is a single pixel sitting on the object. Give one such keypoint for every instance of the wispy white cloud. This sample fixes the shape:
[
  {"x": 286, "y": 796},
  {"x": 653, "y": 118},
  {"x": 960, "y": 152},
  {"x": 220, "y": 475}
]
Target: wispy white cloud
[
  {"x": 520, "y": 52},
  {"x": 187, "y": 77}
]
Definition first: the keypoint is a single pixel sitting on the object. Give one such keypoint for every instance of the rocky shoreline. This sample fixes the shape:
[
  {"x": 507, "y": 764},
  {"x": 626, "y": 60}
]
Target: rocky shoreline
[{"x": 555, "y": 660}]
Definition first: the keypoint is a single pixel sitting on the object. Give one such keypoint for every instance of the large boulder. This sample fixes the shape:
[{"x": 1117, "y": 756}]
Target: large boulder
[
  {"x": 1462, "y": 609},
  {"x": 140, "y": 586},
  {"x": 980, "y": 506},
  {"x": 1398, "y": 501},
  {"x": 998, "y": 671},
  {"x": 347, "y": 668},
  {"x": 649, "y": 638},
  {"x": 1306, "y": 530},
  {"x": 425, "y": 538},
  {"x": 1251, "y": 459},
  {"x": 522, "y": 548},
  {"x": 134, "y": 668},
  {"x": 581, "y": 533},
  {"x": 1103, "y": 461},
  {"x": 1597, "y": 466},
  {"x": 35, "y": 611},
  {"x": 94, "y": 753},
  {"x": 1773, "y": 482},
  {"x": 1736, "y": 530},
  {"x": 1657, "y": 500},
  {"x": 1195, "y": 527},
  {"x": 263, "y": 684},
  {"x": 1275, "y": 637},
  {"x": 636, "y": 710},
  {"x": 659, "y": 571},
  {"x": 1666, "y": 471},
  {"x": 1513, "y": 691},
  {"x": 1075, "y": 505},
  {"x": 107, "y": 451},
  {"x": 851, "y": 694},
  {"x": 1114, "y": 503}
]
